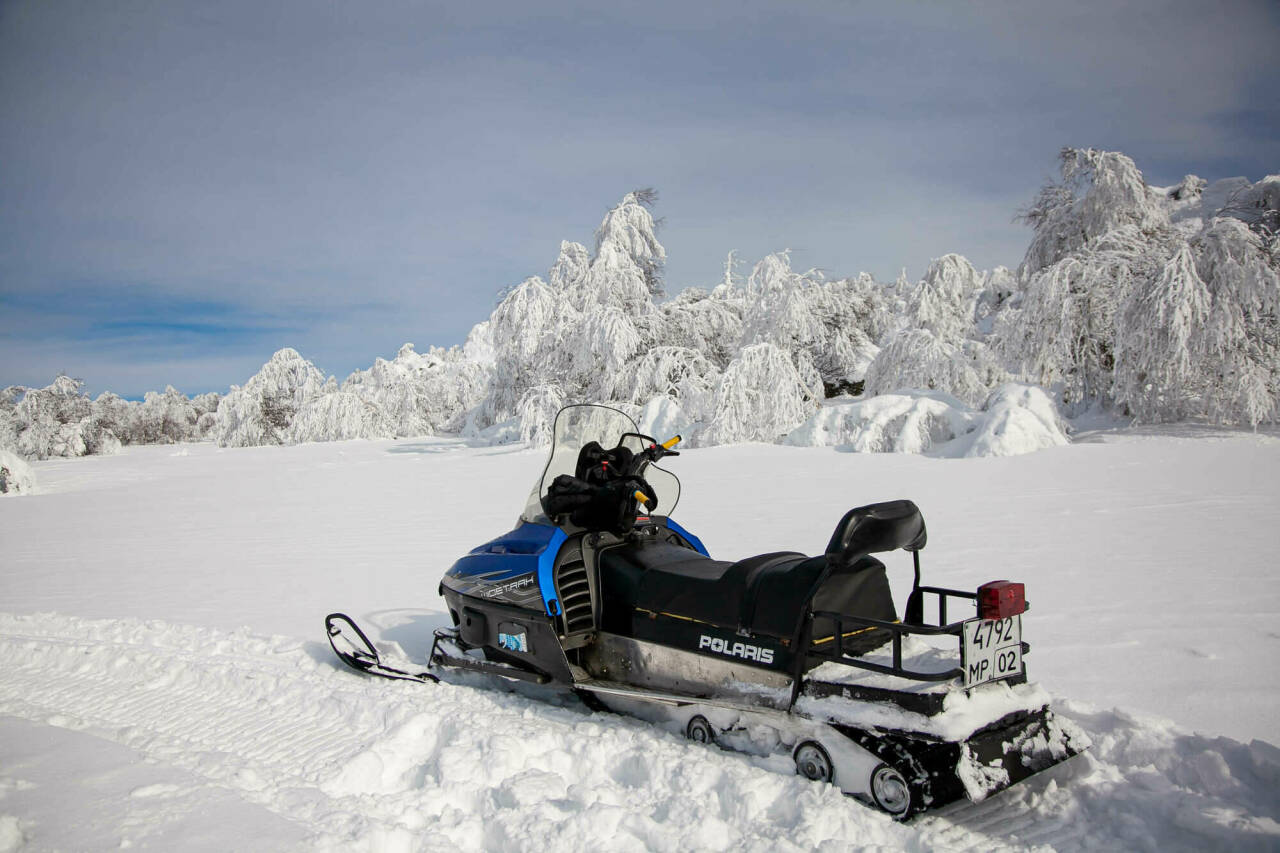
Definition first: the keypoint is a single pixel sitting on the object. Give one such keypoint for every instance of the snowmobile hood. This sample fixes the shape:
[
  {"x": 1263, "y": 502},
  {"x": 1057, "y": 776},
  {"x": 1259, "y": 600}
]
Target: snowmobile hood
[{"x": 528, "y": 550}]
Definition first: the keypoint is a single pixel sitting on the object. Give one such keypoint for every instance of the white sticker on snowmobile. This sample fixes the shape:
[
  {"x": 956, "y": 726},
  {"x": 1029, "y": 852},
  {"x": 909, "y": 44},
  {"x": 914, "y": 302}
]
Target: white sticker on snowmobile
[
  {"x": 514, "y": 642},
  {"x": 737, "y": 650},
  {"x": 507, "y": 588},
  {"x": 992, "y": 649}
]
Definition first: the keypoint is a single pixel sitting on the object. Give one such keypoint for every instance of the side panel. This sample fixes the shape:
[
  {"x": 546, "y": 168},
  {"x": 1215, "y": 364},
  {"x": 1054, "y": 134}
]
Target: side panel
[
  {"x": 659, "y": 667},
  {"x": 685, "y": 635}
]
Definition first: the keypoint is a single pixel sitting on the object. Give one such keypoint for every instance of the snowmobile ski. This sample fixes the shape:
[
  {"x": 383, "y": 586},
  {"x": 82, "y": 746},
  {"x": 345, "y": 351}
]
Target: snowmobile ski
[{"x": 353, "y": 648}]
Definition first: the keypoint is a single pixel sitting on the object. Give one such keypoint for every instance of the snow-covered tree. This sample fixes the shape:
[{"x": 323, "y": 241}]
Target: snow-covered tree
[
  {"x": 57, "y": 420},
  {"x": 682, "y": 374},
  {"x": 163, "y": 418},
  {"x": 8, "y": 417},
  {"x": 1064, "y": 335},
  {"x": 944, "y": 300},
  {"x": 626, "y": 271},
  {"x": 760, "y": 397},
  {"x": 940, "y": 345},
  {"x": 262, "y": 411},
  {"x": 1242, "y": 339},
  {"x": 918, "y": 358},
  {"x": 709, "y": 323},
  {"x": 413, "y": 394},
  {"x": 1160, "y": 340},
  {"x": 536, "y": 412},
  {"x": 1170, "y": 312},
  {"x": 1099, "y": 192},
  {"x": 16, "y": 477},
  {"x": 827, "y": 326},
  {"x": 335, "y": 415}
]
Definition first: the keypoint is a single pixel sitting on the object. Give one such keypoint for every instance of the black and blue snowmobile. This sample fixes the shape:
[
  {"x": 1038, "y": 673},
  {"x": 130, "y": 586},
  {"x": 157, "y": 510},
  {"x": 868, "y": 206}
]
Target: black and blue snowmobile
[{"x": 598, "y": 590}]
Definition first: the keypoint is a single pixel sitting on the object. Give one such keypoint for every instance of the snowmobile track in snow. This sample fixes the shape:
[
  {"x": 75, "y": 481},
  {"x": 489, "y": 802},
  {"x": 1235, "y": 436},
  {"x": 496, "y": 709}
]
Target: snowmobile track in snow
[{"x": 375, "y": 765}]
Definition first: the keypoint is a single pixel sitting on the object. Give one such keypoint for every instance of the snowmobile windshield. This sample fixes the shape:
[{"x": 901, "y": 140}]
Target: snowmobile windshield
[{"x": 576, "y": 426}]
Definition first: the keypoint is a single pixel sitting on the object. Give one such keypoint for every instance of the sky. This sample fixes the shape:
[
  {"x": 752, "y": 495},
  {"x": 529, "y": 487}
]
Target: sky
[{"x": 186, "y": 187}]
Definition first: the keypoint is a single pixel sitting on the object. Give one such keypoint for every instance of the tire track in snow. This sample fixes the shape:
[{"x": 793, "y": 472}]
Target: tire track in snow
[
  {"x": 379, "y": 765},
  {"x": 249, "y": 721},
  {"x": 375, "y": 765}
]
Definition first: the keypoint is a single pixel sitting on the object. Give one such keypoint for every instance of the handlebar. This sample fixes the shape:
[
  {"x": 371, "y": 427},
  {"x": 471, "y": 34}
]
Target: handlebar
[{"x": 654, "y": 451}]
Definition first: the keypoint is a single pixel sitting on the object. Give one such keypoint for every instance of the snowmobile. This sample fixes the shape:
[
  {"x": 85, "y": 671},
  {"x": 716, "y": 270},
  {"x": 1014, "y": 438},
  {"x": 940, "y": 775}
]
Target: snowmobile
[{"x": 600, "y": 591}]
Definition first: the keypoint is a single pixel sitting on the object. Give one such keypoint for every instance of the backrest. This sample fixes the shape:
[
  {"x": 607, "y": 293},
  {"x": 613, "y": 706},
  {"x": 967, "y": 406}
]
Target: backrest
[{"x": 875, "y": 528}]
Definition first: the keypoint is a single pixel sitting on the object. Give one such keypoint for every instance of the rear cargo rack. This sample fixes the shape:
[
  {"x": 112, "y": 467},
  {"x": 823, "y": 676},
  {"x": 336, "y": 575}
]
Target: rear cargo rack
[{"x": 846, "y": 625}]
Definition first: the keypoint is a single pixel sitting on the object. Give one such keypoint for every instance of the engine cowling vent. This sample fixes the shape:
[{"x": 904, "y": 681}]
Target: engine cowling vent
[{"x": 574, "y": 587}]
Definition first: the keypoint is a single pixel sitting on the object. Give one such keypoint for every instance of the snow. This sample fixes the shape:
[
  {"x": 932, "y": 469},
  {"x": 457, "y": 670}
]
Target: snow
[
  {"x": 1015, "y": 419},
  {"x": 16, "y": 477},
  {"x": 167, "y": 683}
]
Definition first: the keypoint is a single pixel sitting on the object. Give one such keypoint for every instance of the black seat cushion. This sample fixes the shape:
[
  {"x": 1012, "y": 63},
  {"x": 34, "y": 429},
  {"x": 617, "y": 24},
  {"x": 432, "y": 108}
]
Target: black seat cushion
[
  {"x": 765, "y": 594},
  {"x": 661, "y": 577}
]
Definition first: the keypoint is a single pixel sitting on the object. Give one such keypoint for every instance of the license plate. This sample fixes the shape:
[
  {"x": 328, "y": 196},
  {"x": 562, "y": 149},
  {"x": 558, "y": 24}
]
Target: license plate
[{"x": 992, "y": 649}]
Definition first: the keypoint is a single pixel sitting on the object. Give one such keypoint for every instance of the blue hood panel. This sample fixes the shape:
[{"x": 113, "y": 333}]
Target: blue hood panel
[{"x": 529, "y": 549}]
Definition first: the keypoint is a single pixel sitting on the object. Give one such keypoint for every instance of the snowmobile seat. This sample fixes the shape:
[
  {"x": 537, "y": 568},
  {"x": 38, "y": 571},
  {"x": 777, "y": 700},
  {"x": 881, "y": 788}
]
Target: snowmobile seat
[{"x": 763, "y": 594}]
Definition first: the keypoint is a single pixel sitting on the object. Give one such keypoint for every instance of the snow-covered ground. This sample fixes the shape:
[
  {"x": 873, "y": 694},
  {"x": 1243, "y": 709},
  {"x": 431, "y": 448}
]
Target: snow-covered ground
[{"x": 167, "y": 684}]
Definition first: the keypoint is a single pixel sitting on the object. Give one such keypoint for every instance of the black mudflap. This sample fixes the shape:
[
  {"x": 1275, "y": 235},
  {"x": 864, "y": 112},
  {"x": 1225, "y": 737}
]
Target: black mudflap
[
  {"x": 1001, "y": 754},
  {"x": 1011, "y": 750}
]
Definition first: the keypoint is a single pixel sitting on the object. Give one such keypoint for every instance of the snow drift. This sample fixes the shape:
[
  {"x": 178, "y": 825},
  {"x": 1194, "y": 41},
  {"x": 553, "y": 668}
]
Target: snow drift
[
  {"x": 16, "y": 477},
  {"x": 1014, "y": 419}
]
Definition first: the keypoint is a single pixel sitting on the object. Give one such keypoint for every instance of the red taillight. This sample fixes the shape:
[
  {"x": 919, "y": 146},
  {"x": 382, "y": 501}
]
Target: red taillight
[{"x": 999, "y": 599}]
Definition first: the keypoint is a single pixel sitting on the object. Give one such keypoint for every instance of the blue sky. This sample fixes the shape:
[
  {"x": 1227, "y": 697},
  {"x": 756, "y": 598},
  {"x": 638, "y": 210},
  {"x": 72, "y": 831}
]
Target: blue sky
[{"x": 186, "y": 187}]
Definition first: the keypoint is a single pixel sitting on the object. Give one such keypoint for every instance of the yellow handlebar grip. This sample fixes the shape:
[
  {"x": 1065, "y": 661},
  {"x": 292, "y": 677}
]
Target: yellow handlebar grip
[
  {"x": 671, "y": 442},
  {"x": 641, "y": 496}
]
